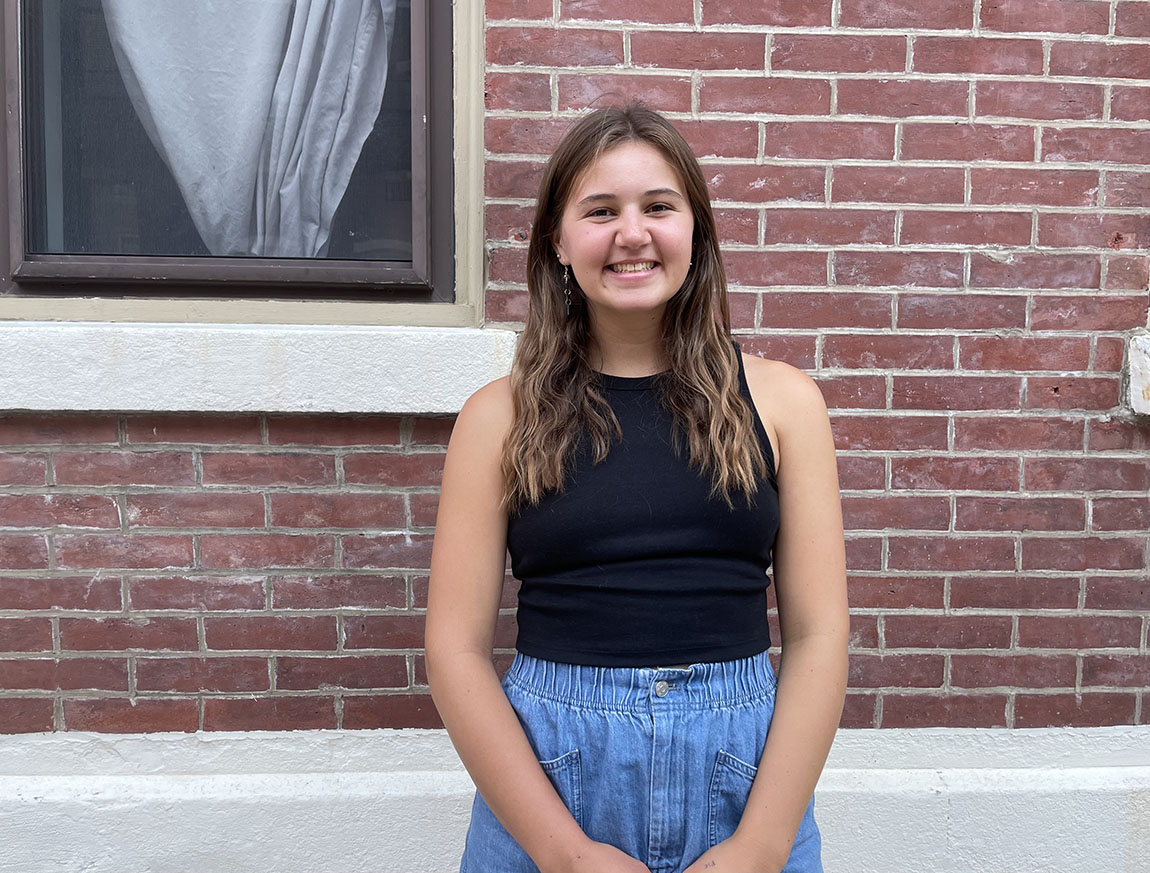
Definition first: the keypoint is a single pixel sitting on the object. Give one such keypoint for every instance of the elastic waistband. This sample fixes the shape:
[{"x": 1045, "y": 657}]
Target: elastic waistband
[{"x": 697, "y": 686}]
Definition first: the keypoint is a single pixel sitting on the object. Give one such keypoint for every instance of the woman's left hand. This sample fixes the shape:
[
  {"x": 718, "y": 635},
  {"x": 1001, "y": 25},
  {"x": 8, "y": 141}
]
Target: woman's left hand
[{"x": 730, "y": 856}]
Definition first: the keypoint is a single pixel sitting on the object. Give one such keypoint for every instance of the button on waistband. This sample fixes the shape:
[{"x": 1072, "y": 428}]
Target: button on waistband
[{"x": 661, "y": 688}]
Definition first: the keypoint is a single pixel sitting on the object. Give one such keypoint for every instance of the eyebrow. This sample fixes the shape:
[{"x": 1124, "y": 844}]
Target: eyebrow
[{"x": 654, "y": 192}]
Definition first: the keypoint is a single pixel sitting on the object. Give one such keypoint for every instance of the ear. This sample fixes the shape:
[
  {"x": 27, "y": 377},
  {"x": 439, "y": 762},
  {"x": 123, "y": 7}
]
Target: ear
[{"x": 561, "y": 253}]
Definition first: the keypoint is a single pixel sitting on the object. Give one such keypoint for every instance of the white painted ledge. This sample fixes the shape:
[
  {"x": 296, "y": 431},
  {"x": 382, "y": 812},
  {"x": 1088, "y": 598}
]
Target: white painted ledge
[
  {"x": 1139, "y": 358},
  {"x": 246, "y": 368},
  {"x": 890, "y": 801}
]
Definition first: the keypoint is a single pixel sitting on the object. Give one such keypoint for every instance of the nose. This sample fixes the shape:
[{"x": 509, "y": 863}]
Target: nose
[{"x": 632, "y": 231}]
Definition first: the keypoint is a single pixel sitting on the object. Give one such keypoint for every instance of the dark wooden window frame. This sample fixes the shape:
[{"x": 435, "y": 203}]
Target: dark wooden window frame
[{"x": 429, "y": 277}]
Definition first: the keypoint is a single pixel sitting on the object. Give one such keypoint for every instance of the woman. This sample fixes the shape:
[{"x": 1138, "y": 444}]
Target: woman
[{"x": 642, "y": 474}]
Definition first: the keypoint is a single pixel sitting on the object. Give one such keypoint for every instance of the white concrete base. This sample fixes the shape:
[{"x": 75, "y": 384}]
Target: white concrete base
[
  {"x": 1138, "y": 355},
  {"x": 890, "y": 801}
]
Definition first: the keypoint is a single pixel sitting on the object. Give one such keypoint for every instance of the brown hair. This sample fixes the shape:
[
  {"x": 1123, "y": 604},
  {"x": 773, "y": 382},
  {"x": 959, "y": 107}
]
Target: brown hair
[{"x": 554, "y": 388}]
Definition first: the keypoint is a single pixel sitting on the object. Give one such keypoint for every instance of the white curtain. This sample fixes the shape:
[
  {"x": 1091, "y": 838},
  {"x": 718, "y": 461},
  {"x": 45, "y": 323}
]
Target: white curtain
[{"x": 260, "y": 108}]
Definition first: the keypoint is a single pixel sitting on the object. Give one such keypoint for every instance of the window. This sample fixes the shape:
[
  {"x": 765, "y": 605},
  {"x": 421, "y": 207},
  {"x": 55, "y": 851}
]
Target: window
[{"x": 299, "y": 144}]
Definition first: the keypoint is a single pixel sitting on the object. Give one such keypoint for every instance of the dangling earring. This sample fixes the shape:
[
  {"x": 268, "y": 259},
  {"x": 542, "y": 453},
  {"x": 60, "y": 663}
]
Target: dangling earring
[{"x": 567, "y": 288}]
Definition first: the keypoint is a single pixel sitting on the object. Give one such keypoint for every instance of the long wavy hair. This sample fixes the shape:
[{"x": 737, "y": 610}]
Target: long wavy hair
[{"x": 557, "y": 394}]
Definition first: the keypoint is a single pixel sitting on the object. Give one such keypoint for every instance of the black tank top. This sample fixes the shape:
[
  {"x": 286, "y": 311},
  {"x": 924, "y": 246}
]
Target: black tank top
[{"x": 633, "y": 563}]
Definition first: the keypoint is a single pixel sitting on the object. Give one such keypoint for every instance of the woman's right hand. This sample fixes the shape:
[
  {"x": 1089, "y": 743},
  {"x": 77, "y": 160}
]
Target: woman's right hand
[{"x": 593, "y": 857}]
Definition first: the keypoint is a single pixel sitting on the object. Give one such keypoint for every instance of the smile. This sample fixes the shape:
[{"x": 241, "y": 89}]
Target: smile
[{"x": 632, "y": 268}]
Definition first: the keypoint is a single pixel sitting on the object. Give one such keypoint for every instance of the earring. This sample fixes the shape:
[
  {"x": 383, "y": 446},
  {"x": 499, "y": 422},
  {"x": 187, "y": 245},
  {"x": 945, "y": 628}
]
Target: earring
[{"x": 567, "y": 288}]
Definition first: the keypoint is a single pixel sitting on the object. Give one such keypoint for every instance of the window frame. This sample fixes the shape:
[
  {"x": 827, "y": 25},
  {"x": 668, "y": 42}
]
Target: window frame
[{"x": 429, "y": 278}]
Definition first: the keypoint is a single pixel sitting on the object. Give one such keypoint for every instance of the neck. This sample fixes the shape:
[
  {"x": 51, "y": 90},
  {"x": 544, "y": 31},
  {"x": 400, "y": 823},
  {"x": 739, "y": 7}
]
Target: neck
[{"x": 628, "y": 347}]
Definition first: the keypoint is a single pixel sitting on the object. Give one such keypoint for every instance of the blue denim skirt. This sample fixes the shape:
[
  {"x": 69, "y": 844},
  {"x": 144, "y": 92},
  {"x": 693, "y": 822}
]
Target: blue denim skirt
[{"x": 656, "y": 761}]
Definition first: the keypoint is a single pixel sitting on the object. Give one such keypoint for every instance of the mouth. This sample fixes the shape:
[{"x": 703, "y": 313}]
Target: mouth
[{"x": 632, "y": 267}]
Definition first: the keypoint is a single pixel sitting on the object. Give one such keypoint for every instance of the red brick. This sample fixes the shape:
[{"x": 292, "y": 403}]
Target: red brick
[
  {"x": 981, "y": 54},
  {"x": 393, "y": 469},
  {"x": 902, "y": 269},
  {"x": 828, "y": 140},
  {"x": 58, "y": 510},
  {"x": 1035, "y": 270},
  {"x": 1041, "y": 100},
  {"x": 817, "y": 310},
  {"x": 863, "y": 554},
  {"x": 898, "y": 671},
  {"x": 384, "y": 631},
  {"x": 861, "y": 474},
  {"x": 1116, "y": 670},
  {"x": 269, "y": 714},
  {"x": 796, "y": 350},
  {"x": 888, "y": 351},
  {"x": 1079, "y": 631},
  {"x": 1088, "y": 312},
  {"x": 947, "y": 631},
  {"x": 762, "y": 269},
  {"x": 859, "y": 711},
  {"x": 432, "y": 431},
  {"x": 25, "y": 635},
  {"x": 389, "y": 550},
  {"x": 951, "y": 553},
  {"x": 1132, "y": 19},
  {"x": 665, "y": 93},
  {"x": 505, "y": 307},
  {"x": 522, "y": 92},
  {"x": 1024, "y": 353},
  {"x": 962, "y": 141},
  {"x": 68, "y": 592},
  {"x": 1121, "y": 513},
  {"x": 197, "y": 428},
  {"x": 194, "y": 675},
  {"x": 1072, "y": 392},
  {"x": 1130, "y": 104},
  {"x": 742, "y": 310},
  {"x": 390, "y": 711},
  {"x": 1083, "y": 553},
  {"x": 901, "y": 98},
  {"x": 895, "y": 592},
  {"x": 113, "y": 551},
  {"x": 972, "y": 311},
  {"x": 1019, "y": 434},
  {"x": 728, "y": 139},
  {"x": 934, "y": 14},
  {"x": 1023, "y": 671},
  {"x": 1115, "y": 61},
  {"x": 955, "y": 392},
  {"x": 551, "y": 47},
  {"x": 776, "y": 95},
  {"x": 124, "y": 468},
  {"x": 1127, "y": 273},
  {"x": 424, "y": 509},
  {"x": 314, "y": 591},
  {"x": 953, "y": 710},
  {"x": 1107, "y": 230},
  {"x": 1035, "y": 187},
  {"x": 121, "y": 634},
  {"x": 1120, "y": 435},
  {"x": 48, "y": 674},
  {"x": 698, "y": 51},
  {"x": 196, "y": 510},
  {"x": 897, "y": 184},
  {"x": 780, "y": 13},
  {"x": 23, "y": 552},
  {"x": 498, "y": 10},
  {"x": 646, "y": 11},
  {"x": 506, "y": 221},
  {"x": 1109, "y": 352},
  {"x": 838, "y": 53},
  {"x": 22, "y": 715},
  {"x": 888, "y": 432},
  {"x": 259, "y": 551},
  {"x": 356, "y": 511},
  {"x": 737, "y": 226},
  {"x": 1059, "y": 16},
  {"x": 36, "y": 428},
  {"x": 1116, "y": 592},
  {"x": 863, "y": 632},
  {"x": 280, "y": 468},
  {"x": 966, "y": 228},
  {"x": 1069, "y": 710},
  {"x": 290, "y": 633},
  {"x": 534, "y": 136},
  {"x": 138, "y": 715},
  {"x": 1086, "y": 474},
  {"x": 907, "y": 513},
  {"x": 1020, "y": 513},
  {"x": 201, "y": 593},
  {"x": 25, "y": 469},
  {"x": 752, "y": 183},
  {"x": 853, "y": 392},
  {"x": 1092, "y": 144},
  {"x": 323, "y": 674},
  {"x": 333, "y": 430},
  {"x": 507, "y": 263},
  {"x": 1013, "y": 592}
]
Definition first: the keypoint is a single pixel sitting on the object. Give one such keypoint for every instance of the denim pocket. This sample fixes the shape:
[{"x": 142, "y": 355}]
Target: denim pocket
[
  {"x": 566, "y": 774},
  {"x": 730, "y": 785}
]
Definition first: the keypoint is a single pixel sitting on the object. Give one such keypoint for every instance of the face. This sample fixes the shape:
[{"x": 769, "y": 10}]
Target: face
[{"x": 626, "y": 232}]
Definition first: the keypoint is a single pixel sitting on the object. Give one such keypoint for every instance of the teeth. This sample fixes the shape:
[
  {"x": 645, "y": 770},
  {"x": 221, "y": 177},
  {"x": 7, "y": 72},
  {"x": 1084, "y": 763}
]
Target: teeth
[{"x": 633, "y": 268}]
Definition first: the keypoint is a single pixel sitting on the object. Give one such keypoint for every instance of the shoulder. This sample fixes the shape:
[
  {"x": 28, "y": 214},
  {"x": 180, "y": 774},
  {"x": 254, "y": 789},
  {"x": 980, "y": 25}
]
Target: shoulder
[
  {"x": 781, "y": 388},
  {"x": 486, "y": 417}
]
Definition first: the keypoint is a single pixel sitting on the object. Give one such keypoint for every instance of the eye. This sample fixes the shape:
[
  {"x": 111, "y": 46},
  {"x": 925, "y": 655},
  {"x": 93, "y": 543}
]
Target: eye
[
  {"x": 601, "y": 212},
  {"x": 660, "y": 207}
]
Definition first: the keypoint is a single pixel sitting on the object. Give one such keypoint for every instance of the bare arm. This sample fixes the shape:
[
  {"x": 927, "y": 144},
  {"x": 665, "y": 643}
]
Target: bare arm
[
  {"x": 467, "y": 566},
  {"x": 810, "y": 580}
]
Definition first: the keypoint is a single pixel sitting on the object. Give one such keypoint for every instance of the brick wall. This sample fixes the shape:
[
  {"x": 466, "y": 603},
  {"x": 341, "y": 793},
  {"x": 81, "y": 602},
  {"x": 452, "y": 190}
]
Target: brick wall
[{"x": 945, "y": 224}]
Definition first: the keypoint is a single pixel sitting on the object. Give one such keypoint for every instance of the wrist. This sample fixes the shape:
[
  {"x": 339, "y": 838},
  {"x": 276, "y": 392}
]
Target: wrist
[
  {"x": 761, "y": 854},
  {"x": 559, "y": 853}
]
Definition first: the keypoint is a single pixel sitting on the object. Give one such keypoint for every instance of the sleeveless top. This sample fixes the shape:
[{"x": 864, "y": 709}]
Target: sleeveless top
[{"x": 633, "y": 563}]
